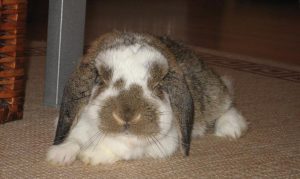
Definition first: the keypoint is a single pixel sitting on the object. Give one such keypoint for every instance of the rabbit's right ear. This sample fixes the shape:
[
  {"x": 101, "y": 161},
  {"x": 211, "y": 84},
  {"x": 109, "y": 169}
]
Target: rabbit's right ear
[
  {"x": 182, "y": 105},
  {"x": 78, "y": 88},
  {"x": 76, "y": 94}
]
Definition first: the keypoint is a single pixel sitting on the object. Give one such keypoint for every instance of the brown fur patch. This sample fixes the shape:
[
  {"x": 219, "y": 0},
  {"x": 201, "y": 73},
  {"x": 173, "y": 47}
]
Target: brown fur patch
[
  {"x": 119, "y": 84},
  {"x": 102, "y": 80},
  {"x": 105, "y": 74},
  {"x": 157, "y": 73},
  {"x": 128, "y": 105}
]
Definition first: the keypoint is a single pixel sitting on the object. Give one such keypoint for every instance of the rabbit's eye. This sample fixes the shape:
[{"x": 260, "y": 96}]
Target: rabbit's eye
[
  {"x": 102, "y": 84},
  {"x": 105, "y": 74},
  {"x": 158, "y": 91},
  {"x": 99, "y": 82}
]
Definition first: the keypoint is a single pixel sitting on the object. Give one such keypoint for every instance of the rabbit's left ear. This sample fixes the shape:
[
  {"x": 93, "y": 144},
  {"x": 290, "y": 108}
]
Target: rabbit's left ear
[
  {"x": 175, "y": 85},
  {"x": 182, "y": 105}
]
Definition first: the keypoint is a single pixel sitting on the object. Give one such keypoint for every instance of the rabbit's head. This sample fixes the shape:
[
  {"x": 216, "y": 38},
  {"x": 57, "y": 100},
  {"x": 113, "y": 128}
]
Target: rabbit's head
[{"x": 129, "y": 98}]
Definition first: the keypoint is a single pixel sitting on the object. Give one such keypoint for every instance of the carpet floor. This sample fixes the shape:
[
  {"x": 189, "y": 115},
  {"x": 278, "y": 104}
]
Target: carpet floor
[{"x": 269, "y": 97}]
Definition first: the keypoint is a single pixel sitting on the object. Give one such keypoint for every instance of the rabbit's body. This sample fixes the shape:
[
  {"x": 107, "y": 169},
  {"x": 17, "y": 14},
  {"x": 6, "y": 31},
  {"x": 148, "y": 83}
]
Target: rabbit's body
[
  {"x": 139, "y": 97},
  {"x": 210, "y": 94}
]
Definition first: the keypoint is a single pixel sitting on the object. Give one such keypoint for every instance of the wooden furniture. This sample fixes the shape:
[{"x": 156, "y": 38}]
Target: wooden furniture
[{"x": 12, "y": 69}]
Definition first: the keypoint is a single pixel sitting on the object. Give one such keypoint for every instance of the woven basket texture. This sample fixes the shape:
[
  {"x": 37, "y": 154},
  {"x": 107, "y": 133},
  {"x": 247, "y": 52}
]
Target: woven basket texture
[{"x": 12, "y": 62}]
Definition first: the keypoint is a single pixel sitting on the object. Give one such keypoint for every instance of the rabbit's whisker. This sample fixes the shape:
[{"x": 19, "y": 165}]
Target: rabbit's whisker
[
  {"x": 90, "y": 141},
  {"x": 100, "y": 138},
  {"x": 158, "y": 144}
]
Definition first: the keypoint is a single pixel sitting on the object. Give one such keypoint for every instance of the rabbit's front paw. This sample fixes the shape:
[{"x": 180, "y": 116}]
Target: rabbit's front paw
[
  {"x": 93, "y": 156},
  {"x": 63, "y": 154}
]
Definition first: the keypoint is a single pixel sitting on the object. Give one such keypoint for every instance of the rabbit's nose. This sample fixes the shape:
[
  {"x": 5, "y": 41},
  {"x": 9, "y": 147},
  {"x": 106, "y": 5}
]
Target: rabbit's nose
[
  {"x": 126, "y": 125},
  {"x": 121, "y": 122}
]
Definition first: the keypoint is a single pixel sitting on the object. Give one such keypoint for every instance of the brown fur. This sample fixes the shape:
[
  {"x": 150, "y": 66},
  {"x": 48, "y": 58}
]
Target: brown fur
[
  {"x": 105, "y": 74},
  {"x": 119, "y": 84},
  {"x": 128, "y": 105},
  {"x": 157, "y": 73}
]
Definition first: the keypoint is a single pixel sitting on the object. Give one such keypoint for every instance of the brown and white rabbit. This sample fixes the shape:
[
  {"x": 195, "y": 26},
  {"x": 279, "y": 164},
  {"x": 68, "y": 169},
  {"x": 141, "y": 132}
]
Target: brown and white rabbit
[{"x": 136, "y": 95}]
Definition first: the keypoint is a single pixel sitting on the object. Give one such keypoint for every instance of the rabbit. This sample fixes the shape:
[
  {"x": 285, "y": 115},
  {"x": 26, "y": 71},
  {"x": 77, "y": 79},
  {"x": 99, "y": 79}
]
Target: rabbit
[{"x": 137, "y": 95}]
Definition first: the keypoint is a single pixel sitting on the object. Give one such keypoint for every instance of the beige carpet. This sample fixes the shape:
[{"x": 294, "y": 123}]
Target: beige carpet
[{"x": 268, "y": 97}]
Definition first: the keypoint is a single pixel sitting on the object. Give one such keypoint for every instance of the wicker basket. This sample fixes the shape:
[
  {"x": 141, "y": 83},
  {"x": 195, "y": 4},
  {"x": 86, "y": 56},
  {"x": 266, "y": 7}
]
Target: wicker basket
[{"x": 12, "y": 72}]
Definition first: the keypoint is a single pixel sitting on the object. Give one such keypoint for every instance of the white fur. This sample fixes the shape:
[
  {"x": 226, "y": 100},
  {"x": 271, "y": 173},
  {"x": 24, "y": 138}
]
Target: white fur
[
  {"x": 166, "y": 146},
  {"x": 63, "y": 154},
  {"x": 132, "y": 65},
  {"x": 121, "y": 147},
  {"x": 231, "y": 124}
]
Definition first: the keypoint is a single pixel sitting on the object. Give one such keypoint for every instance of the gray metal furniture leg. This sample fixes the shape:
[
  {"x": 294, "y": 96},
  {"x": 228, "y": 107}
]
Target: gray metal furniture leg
[{"x": 64, "y": 45}]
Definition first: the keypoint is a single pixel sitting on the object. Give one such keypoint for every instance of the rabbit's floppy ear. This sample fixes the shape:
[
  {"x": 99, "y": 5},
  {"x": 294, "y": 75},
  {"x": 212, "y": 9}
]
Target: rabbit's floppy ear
[
  {"x": 175, "y": 85},
  {"x": 78, "y": 88},
  {"x": 182, "y": 106},
  {"x": 76, "y": 94}
]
